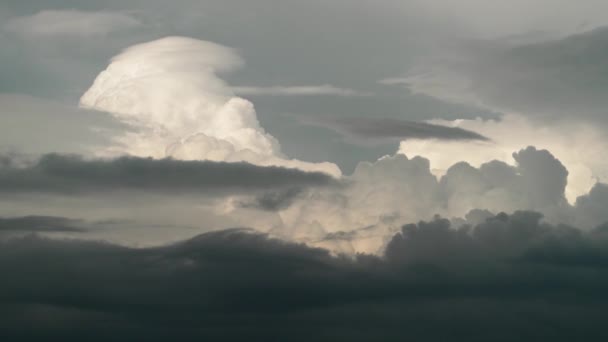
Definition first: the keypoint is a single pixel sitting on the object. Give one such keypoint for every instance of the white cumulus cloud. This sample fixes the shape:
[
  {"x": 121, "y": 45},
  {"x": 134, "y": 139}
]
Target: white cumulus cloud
[{"x": 169, "y": 91}]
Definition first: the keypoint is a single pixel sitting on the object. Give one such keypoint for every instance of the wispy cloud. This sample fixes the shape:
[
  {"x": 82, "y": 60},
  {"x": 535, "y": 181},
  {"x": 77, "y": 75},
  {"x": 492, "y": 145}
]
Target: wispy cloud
[
  {"x": 325, "y": 89},
  {"x": 391, "y": 128}
]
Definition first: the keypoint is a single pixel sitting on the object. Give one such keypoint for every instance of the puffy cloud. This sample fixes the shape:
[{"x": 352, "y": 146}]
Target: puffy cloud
[
  {"x": 590, "y": 208},
  {"x": 537, "y": 182},
  {"x": 74, "y": 23},
  {"x": 383, "y": 195},
  {"x": 515, "y": 132},
  {"x": 169, "y": 91},
  {"x": 503, "y": 236},
  {"x": 435, "y": 282},
  {"x": 378, "y": 198}
]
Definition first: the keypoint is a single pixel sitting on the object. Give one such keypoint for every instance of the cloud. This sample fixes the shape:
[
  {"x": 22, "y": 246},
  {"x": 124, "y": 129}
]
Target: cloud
[
  {"x": 394, "y": 190},
  {"x": 71, "y": 23},
  {"x": 274, "y": 201},
  {"x": 387, "y": 128},
  {"x": 70, "y": 174},
  {"x": 435, "y": 281},
  {"x": 515, "y": 132},
  {"x": 168, "y": 90},
  {"x": 550, "y": 79},
  {"x": 42, "y": 224},
  {"x": 590, "y": 207},
  {"x": 358, "y": 213},
  {"x": 324, "y": 89},
  {"x": 548, "y": 89}
]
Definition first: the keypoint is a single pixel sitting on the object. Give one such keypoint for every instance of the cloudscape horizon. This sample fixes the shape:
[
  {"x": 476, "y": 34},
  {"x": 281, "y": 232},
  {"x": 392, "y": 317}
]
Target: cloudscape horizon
[{"x": 322, "y": 170}]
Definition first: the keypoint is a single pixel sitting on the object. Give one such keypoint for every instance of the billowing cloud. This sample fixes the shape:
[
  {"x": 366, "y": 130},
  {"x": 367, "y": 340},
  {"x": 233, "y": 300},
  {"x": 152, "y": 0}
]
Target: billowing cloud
[
  {"x": 591, "y": 207},
  {"x": 515, "y": 132},
  {"x": 325, "y": 89},
  {"x": 359, "y": 213},
  {"x": 71, "y": 23},
  {"x": 434, "y": 282},
  {"x": 383, "y": 195},
  {"x": 169, "y": 91}
]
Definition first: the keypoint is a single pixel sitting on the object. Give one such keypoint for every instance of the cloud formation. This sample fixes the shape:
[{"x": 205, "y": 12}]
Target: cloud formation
[
  {"x": 168, "y": 90},
  {"x": 485, "y": 282},
  {"x": 556, "y": 78},
  {"x": 396, "y": 189},
  {"x": 41, "y": 224},
  {"x": 515, "y": 132},
  {"x": 70, "y": 174},
  {"x": 358, "y": 213},
  {"x": 387, "y": 128}
]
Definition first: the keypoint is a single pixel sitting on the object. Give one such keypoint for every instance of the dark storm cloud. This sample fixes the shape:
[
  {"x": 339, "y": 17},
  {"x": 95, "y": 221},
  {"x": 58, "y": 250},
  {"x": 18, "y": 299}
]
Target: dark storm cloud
[
  {"x": 398, "y": 129},
  {"x": 40, "y": 224},
  {"x": 67, "y": 174},
  {"x": 511, "y": 277}
]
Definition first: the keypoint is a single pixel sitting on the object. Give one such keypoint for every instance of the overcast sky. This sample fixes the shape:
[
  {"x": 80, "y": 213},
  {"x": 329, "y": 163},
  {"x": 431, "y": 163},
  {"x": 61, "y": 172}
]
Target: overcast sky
[{"x": 335, "y": 162}]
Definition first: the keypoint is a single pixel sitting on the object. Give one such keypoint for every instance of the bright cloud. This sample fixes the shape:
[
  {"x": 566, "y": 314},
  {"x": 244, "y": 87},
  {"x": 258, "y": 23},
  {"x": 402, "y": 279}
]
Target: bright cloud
[
  {"x": 169, "y": 91},
  {"x": 512, "y": 133}
]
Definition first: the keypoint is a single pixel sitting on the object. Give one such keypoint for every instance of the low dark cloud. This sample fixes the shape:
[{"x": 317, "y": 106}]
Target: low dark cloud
[
  {"x": 68, "y": 174},
  {"x": 398, "y": 129},
  {"x": 274, "y": 201},
  {"x": 511, "y": 277},
  {"x": 40, "y": 224}
]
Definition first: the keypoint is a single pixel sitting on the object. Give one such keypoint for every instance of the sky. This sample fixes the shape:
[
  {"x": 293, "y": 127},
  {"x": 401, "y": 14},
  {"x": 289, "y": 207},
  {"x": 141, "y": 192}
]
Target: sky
[{"x": 303, "y": 170}]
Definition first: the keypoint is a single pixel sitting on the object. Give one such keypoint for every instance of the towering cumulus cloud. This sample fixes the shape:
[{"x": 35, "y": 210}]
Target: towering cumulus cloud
[{"x": 169, "y": 91}]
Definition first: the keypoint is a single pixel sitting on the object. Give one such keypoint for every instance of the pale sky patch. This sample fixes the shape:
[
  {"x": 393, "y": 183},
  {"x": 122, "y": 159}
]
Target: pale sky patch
[{"x": 71, "y": 23}]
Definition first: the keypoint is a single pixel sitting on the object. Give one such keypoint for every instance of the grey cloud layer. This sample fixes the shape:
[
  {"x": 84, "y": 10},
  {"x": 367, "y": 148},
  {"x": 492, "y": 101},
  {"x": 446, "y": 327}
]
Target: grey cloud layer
[
  {"x": 64, "y": 174},
  {"x": 43, "y": 224},
  {"x": 546, "y": 78},
  {"x": 509, "y": 277}
]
